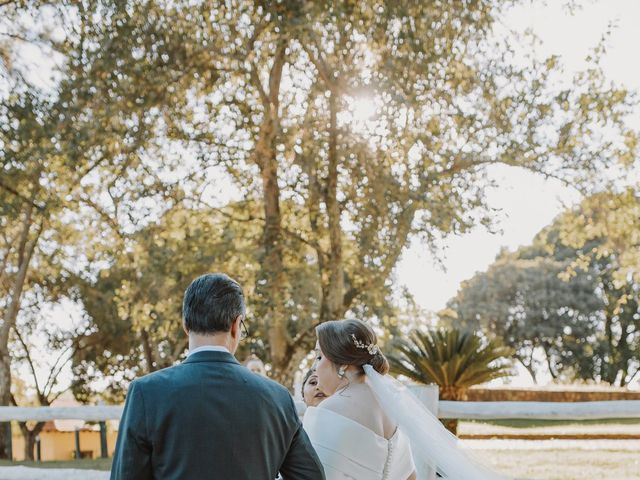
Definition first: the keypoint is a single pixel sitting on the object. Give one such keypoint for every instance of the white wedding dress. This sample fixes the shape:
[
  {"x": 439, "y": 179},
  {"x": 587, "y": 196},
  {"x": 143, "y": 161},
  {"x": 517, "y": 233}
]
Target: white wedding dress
[{"x": 349, "y": 450}]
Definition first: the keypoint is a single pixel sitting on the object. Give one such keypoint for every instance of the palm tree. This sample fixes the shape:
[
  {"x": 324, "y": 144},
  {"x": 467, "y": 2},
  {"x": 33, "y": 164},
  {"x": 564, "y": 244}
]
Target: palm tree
[{"x": 453, "y": 359}]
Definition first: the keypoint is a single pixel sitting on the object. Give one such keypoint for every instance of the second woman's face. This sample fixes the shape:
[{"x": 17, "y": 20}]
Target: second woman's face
[
  {"x": 328, "y": 379},
  {"x": 311, "y": 393}
]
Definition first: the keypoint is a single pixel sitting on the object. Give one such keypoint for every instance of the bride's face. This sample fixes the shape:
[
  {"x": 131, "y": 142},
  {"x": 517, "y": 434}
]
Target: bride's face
[{"x": 328, "y": 379}]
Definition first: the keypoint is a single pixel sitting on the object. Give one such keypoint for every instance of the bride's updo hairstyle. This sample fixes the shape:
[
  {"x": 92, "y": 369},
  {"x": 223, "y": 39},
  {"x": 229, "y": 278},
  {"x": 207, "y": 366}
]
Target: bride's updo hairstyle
[{"x": 351, "y": 342}]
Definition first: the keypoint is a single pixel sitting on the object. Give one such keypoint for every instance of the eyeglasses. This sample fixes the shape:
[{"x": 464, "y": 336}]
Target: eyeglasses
[{"x": 244, "y": 333}]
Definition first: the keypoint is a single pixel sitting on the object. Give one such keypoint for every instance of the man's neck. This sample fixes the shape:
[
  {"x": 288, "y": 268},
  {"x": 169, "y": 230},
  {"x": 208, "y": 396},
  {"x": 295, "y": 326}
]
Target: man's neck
[{"x": 220, "y": 340}]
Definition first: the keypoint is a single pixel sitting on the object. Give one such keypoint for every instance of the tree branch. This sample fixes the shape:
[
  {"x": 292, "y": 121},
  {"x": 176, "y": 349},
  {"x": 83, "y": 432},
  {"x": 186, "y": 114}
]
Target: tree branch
[
  {"x": 275, "y": 76},
  {"x": 30, "y": 361},
  {"x": 255, "y": 78},
  {"x": 35, "y": 41},
  {"x": 57, "y": 369},
  {"x": 21, "y": 196}
]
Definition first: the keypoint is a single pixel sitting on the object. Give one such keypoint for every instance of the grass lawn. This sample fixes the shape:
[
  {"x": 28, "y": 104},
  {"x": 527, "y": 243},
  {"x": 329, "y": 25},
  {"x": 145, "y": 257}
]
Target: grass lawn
[
  {"x": 557, "y": 459},
  {"x": 91, "y": 464},
  {"x": 547, "y": 464},
  {"x": 519, "y": 459},
  {"x": 563, "y": 464},
  {"x": 525, "y": 423},
  {"x": 610, "y": 426}
]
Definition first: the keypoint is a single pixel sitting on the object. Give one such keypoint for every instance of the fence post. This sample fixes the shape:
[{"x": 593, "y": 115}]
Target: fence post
[
  {"x": 38, "y": 449},
  {"x": 78, "y": 454},
  {"x": 104, "y": 452},
  {"x": 428, "y": 395}
]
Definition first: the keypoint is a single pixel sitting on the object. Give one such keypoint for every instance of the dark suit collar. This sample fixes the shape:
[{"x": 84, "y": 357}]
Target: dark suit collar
[{"x": 211, "y": 356}]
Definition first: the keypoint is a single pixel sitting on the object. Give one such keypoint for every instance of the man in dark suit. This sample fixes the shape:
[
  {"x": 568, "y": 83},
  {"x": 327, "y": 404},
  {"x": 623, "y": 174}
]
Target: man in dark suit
[{"x": 210, "y": 417}]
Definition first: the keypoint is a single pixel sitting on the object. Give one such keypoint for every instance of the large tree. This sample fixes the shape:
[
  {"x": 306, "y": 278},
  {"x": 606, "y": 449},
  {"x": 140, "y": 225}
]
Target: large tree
[
  {"x": 133, "y": 306},
  {"x": 568, "y": 302},
  {"x": 605, "y": 232},
  {"x": 275, "y": 92},
  {"x": 62, "y": 149},
  {"x": 154, "y": 94}
]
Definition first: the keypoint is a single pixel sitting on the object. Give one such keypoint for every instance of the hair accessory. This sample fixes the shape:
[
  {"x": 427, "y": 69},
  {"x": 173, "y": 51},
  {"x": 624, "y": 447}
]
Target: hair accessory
[{"x": 372, "y": 348}]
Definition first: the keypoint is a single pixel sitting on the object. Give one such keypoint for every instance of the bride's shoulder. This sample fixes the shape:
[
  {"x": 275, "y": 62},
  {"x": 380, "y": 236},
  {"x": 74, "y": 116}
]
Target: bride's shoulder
[
  {"x": 358, "y": 406},
  {"x": 334, "y": 403},
  {"x": 343, "y": 403}
]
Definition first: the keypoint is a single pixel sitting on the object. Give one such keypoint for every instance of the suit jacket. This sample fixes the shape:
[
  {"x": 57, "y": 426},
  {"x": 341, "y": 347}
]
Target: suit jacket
[{"x": 211, "y": 418}]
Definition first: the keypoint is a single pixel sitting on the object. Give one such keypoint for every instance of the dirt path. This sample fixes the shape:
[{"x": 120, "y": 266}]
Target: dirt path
[{"x": 28, "y": 473}]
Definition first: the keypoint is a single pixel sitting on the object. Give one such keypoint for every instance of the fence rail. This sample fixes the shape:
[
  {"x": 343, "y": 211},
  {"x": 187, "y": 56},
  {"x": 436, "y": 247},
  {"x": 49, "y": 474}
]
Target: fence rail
[
  {"x": 540, "y": 410},
  {"x": 446, "y": 409},
  {"x": 44, "y": 414}
]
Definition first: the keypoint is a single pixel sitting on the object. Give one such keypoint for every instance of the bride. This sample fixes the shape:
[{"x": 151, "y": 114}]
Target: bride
[{"x": 371, "y": 427}]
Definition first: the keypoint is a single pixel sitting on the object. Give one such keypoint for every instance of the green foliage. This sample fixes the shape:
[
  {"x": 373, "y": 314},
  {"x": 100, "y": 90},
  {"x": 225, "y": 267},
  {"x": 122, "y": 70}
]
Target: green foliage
[
  {"x": 570, "y": 302},
  {"x": 609, "y": 223},
  {"x": 265, "y": 91},
  {"x": 62, "y": 154},
  {"x": 155, "y": 99},
  {"x": 453, "y": 359},
  {"x": 134, "y": 305}
]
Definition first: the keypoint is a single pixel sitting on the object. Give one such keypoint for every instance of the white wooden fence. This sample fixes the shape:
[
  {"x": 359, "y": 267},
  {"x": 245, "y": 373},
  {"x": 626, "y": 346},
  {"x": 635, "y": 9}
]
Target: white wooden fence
[
  {"x": 428, "y": 395},
  {"x": 460, "y": 410},
  {"x": 540, "y": 410},
  {"x": 44, "y": 414}
]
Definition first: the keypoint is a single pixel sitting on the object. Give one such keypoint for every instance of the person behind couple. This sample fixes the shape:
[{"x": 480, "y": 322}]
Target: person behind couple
[
  {"x": 350, "y": 431},
  {"x": 210, "y": 417},
  {"x": 312, "y": 396},
  {"x": 255, "y": 365}
]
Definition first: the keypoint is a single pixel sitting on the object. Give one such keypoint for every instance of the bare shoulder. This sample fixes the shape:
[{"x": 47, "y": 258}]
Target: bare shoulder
[
  {"x": 359, "y": 405},
  {"x": 336, "y": 403}
]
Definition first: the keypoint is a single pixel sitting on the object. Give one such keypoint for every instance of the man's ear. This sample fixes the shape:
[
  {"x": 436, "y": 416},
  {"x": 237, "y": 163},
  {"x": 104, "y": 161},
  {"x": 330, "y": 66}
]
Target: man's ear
[
  {"x": 235, "y": 327},
  {"x": 184, "y": 327}
]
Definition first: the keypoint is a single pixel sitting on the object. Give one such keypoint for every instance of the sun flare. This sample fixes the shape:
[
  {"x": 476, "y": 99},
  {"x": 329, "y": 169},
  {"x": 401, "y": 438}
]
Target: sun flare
[
  {"x": 360, "y": 114},
  {"x": 363, "y": 109}
]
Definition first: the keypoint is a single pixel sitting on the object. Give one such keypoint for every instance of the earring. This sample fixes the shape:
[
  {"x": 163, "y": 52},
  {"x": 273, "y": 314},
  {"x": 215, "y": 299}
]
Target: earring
[{"x": 341, "y": 372}]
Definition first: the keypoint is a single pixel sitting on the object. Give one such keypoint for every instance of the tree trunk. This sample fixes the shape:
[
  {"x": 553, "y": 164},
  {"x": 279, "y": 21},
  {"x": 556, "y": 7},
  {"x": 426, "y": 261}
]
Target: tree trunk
[
  {"x": 609, "y": 372},
  {"x": 313, "y": 207},
  {"x": 148, "y": 352},
  {"x": 272, "y": 283},
  {"x": 5, "y": 399},
  {"x": 286, "y": 374},
  {"x": 29, "y": 447},
  {"x": 452, "y": 393},
  {"x": 333, "y": 305},
  {"x": 25, "y": 253},
  {"x": 626, "y": 350},
  {"x": 451, "y": 424},
  {"x": 273, "y": 274},
  {"x": 528, "y": 365},
  {"x": 30, "y": 436},
  {"x": 552, "y": 372},
  {"x": 335, "y": 291}
]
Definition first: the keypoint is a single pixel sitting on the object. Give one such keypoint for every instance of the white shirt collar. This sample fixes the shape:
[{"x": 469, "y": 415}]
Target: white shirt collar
[{"x": 208, "y": 348}]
